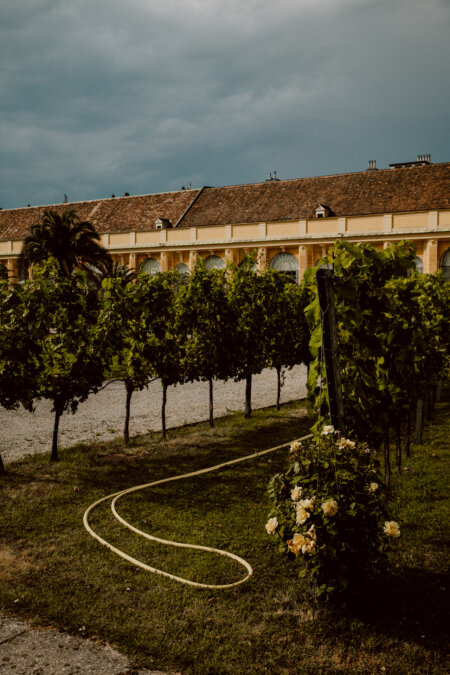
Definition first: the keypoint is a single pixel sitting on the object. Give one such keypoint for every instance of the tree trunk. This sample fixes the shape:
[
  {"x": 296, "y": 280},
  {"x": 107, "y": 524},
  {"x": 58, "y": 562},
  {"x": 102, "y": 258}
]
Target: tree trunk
[
  {"x": 2, "y": 467},
  {"x": 398, "y": 445},
  {"x": 248, "y": 396},
  {"x": 408, "y": 433},
  {"x": 278, "y": 386},
  {"x": 163, "y": 411},
  {"x": 387, "y": 458},
  {"x": 126, "y": 429},
  {"x": 211, "y": 402},
  {"x": 419, "y": 422},
  {"x": 54, "y": 455},
  {"x": 438, "y": 391}
]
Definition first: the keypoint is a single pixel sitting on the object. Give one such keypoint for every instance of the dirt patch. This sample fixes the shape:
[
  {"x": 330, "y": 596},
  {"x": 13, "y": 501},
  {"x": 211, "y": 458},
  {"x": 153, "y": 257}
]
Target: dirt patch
[{"x": 13, "y": 562}]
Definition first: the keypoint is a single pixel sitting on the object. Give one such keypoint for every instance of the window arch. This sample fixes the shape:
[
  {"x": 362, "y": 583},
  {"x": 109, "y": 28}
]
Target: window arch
[
  {"x": 326, "y": 265},
  {"x": 418, "y": 262},
  {"x": 287, "y": 264},
  {"x": 444, "y": 265},
  {"x": 184, "y": 272},
  {"x": 3, "y": 271},
  {"x": 213, "y": 262},
  {"x": 150, "y": 266}
]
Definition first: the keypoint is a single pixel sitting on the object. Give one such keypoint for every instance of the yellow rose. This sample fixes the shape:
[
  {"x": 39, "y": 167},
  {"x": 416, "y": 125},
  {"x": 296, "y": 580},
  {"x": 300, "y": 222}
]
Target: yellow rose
[
  {"x": 391, "y": 528},
  {"x": 307, "y": 504},
  {"x": 309, "y": 547},
  {"x": 312, "y": 533},
  {"x": 346, "y": 442},
  {"x": 296, "y": 543},
  {"x": 296, "y": 493},
  {"x": 330, "y": 508},
  {"x": 302, "y": 515},
  {"x": 271, "y": 525}
]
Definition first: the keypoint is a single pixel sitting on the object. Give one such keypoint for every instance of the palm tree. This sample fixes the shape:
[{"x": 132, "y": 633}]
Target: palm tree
[
  {"x": 74, "y": 243},
  {"x": 115, "y": 271}
]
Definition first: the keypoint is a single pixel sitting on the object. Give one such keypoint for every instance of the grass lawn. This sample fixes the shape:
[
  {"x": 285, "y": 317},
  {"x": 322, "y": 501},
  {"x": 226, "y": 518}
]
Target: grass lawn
[{"x": 53, "y": 572}]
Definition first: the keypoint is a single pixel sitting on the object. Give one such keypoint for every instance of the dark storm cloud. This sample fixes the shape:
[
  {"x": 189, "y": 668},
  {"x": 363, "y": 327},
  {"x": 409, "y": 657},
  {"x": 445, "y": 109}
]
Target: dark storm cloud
[{"x": 103, "y": 97}]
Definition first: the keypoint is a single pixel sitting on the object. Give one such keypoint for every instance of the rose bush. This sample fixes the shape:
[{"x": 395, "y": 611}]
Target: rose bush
[{"x": 328, "y": 514}]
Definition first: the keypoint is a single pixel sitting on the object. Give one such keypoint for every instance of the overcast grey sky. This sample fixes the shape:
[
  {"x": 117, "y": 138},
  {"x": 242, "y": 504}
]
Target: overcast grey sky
[{"x": 99, "y": 97}]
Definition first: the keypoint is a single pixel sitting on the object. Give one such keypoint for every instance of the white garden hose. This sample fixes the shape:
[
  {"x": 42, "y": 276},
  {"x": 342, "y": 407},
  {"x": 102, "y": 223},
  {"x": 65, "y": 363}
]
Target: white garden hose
[{"x": 118, "y": 495}]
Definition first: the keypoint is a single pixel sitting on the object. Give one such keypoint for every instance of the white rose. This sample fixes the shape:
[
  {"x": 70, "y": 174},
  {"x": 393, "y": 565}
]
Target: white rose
[
  {"x": 302, "y": 515},
  {"x": 328, "y": 429},
  {"x": 296, "y": 493},
  {"x": 392, "y": 529},
  {"x": 373, "y": 487},
  {"x": 295, "y": 445},
  {"x": 271, "y": 525},
  {"x": 307, "y": 504},
  {"x": 330, "y": 508},
  {"x": 346, "y": 442}
]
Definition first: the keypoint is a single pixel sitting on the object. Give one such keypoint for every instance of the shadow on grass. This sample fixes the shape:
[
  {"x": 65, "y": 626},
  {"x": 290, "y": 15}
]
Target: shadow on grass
[
  {"x": 412, "y": 604},
  {"x": 185, "y": 450}
]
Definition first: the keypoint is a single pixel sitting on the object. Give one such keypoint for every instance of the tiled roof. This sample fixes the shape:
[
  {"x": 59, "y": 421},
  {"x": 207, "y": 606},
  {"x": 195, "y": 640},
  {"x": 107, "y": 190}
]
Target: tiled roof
[
  {"x": 370, "y": 192},
  {"x": 122, "y": 214},
  {"x": 420, "y": 188}
]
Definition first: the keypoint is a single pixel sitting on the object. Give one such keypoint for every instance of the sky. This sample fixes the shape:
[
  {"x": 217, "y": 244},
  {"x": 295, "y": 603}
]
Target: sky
[{"x": 102, "y": 97}]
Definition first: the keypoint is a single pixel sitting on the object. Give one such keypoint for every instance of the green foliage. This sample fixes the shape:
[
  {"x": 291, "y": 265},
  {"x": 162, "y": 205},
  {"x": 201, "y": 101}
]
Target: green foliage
[
  {"x": 248, "y": 304},
  {"x": 17, "y": 375},
  {"x": 63, "y": 313},
  {"x": 392, "y": 335},
  {"x": 74, "y": 244},
  {"x": 69, "y": 355},
  {"x": 285, "y": 334},
  {"x": 328, "y": 512},
  {"x": 205, "y": 324}
]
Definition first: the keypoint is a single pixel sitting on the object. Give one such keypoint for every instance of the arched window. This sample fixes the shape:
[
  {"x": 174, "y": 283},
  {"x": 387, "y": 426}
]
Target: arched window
[
  {"x": 419, "y": 264},
  {"x": 184, "y": 272},
  {"x": 150, "y": 266},
  {"x": 288, "y": 264},
  {"x": 3, "y": 271},
  {"x": 213, "y": 262},
  {"x": 444, "y": 265},
  {"x": 326, "y": 266}
]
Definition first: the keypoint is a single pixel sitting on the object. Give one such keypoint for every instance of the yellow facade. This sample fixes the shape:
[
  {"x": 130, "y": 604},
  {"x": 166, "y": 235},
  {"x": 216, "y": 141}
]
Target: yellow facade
[{"x": 306, "y": 240}]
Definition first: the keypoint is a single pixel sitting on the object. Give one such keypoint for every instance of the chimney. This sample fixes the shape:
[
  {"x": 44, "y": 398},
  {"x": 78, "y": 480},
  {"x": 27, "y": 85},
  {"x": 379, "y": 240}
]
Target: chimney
[{"x": 372, "y": 165}]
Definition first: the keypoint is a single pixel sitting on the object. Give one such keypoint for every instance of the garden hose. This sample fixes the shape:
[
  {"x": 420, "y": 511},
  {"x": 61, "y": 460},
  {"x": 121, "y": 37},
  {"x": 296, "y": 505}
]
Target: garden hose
[{"x": 122, "y": 493}]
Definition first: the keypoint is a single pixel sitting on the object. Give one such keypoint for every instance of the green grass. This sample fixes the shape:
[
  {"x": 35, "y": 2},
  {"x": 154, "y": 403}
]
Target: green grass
[{"x": 52, "y": 572}]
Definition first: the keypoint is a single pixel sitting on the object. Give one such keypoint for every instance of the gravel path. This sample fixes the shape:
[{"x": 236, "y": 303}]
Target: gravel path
[{"x": 102, "y": 415}]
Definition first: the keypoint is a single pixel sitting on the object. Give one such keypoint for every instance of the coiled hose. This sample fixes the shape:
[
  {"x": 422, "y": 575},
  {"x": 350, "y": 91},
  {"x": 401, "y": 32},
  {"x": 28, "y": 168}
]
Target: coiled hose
[{"x": 122, "y": 493}]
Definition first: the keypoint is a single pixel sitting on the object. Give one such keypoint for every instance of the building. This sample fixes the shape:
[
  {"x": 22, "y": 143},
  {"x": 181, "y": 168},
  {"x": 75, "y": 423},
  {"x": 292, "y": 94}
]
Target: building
[{"x": 290, "y": 223}]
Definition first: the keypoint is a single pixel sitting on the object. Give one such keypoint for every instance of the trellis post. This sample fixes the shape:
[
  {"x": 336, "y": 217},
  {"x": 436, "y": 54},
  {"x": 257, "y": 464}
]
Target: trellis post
[{"x": 324, "y": 279}]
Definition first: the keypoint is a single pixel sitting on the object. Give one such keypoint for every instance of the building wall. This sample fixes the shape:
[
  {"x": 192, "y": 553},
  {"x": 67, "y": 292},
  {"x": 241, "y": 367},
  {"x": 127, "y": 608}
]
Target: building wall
[{"x": 307, "y": 240}]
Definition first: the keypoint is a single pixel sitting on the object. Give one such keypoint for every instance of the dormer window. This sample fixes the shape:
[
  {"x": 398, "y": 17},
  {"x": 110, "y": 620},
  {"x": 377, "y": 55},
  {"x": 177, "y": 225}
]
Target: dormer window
[
  {"x": 322, "y": 211},
  {"x": 163, "y": 223}
]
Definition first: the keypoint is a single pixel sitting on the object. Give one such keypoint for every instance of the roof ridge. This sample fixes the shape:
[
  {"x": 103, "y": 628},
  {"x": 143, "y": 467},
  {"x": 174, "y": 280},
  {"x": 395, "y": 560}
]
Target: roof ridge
[
  {"x": 328, "y": 175},
  {"x": 190, "y": 205}
]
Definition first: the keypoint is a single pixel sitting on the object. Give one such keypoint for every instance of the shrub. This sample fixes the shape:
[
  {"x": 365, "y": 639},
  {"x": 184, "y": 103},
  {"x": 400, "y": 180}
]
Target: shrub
[{"x": 328, "y": 513}]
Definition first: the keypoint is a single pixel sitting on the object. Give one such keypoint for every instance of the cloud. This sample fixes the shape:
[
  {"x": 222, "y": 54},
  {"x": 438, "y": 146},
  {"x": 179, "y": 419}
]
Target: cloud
[{"x": 102, "y": 96}]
